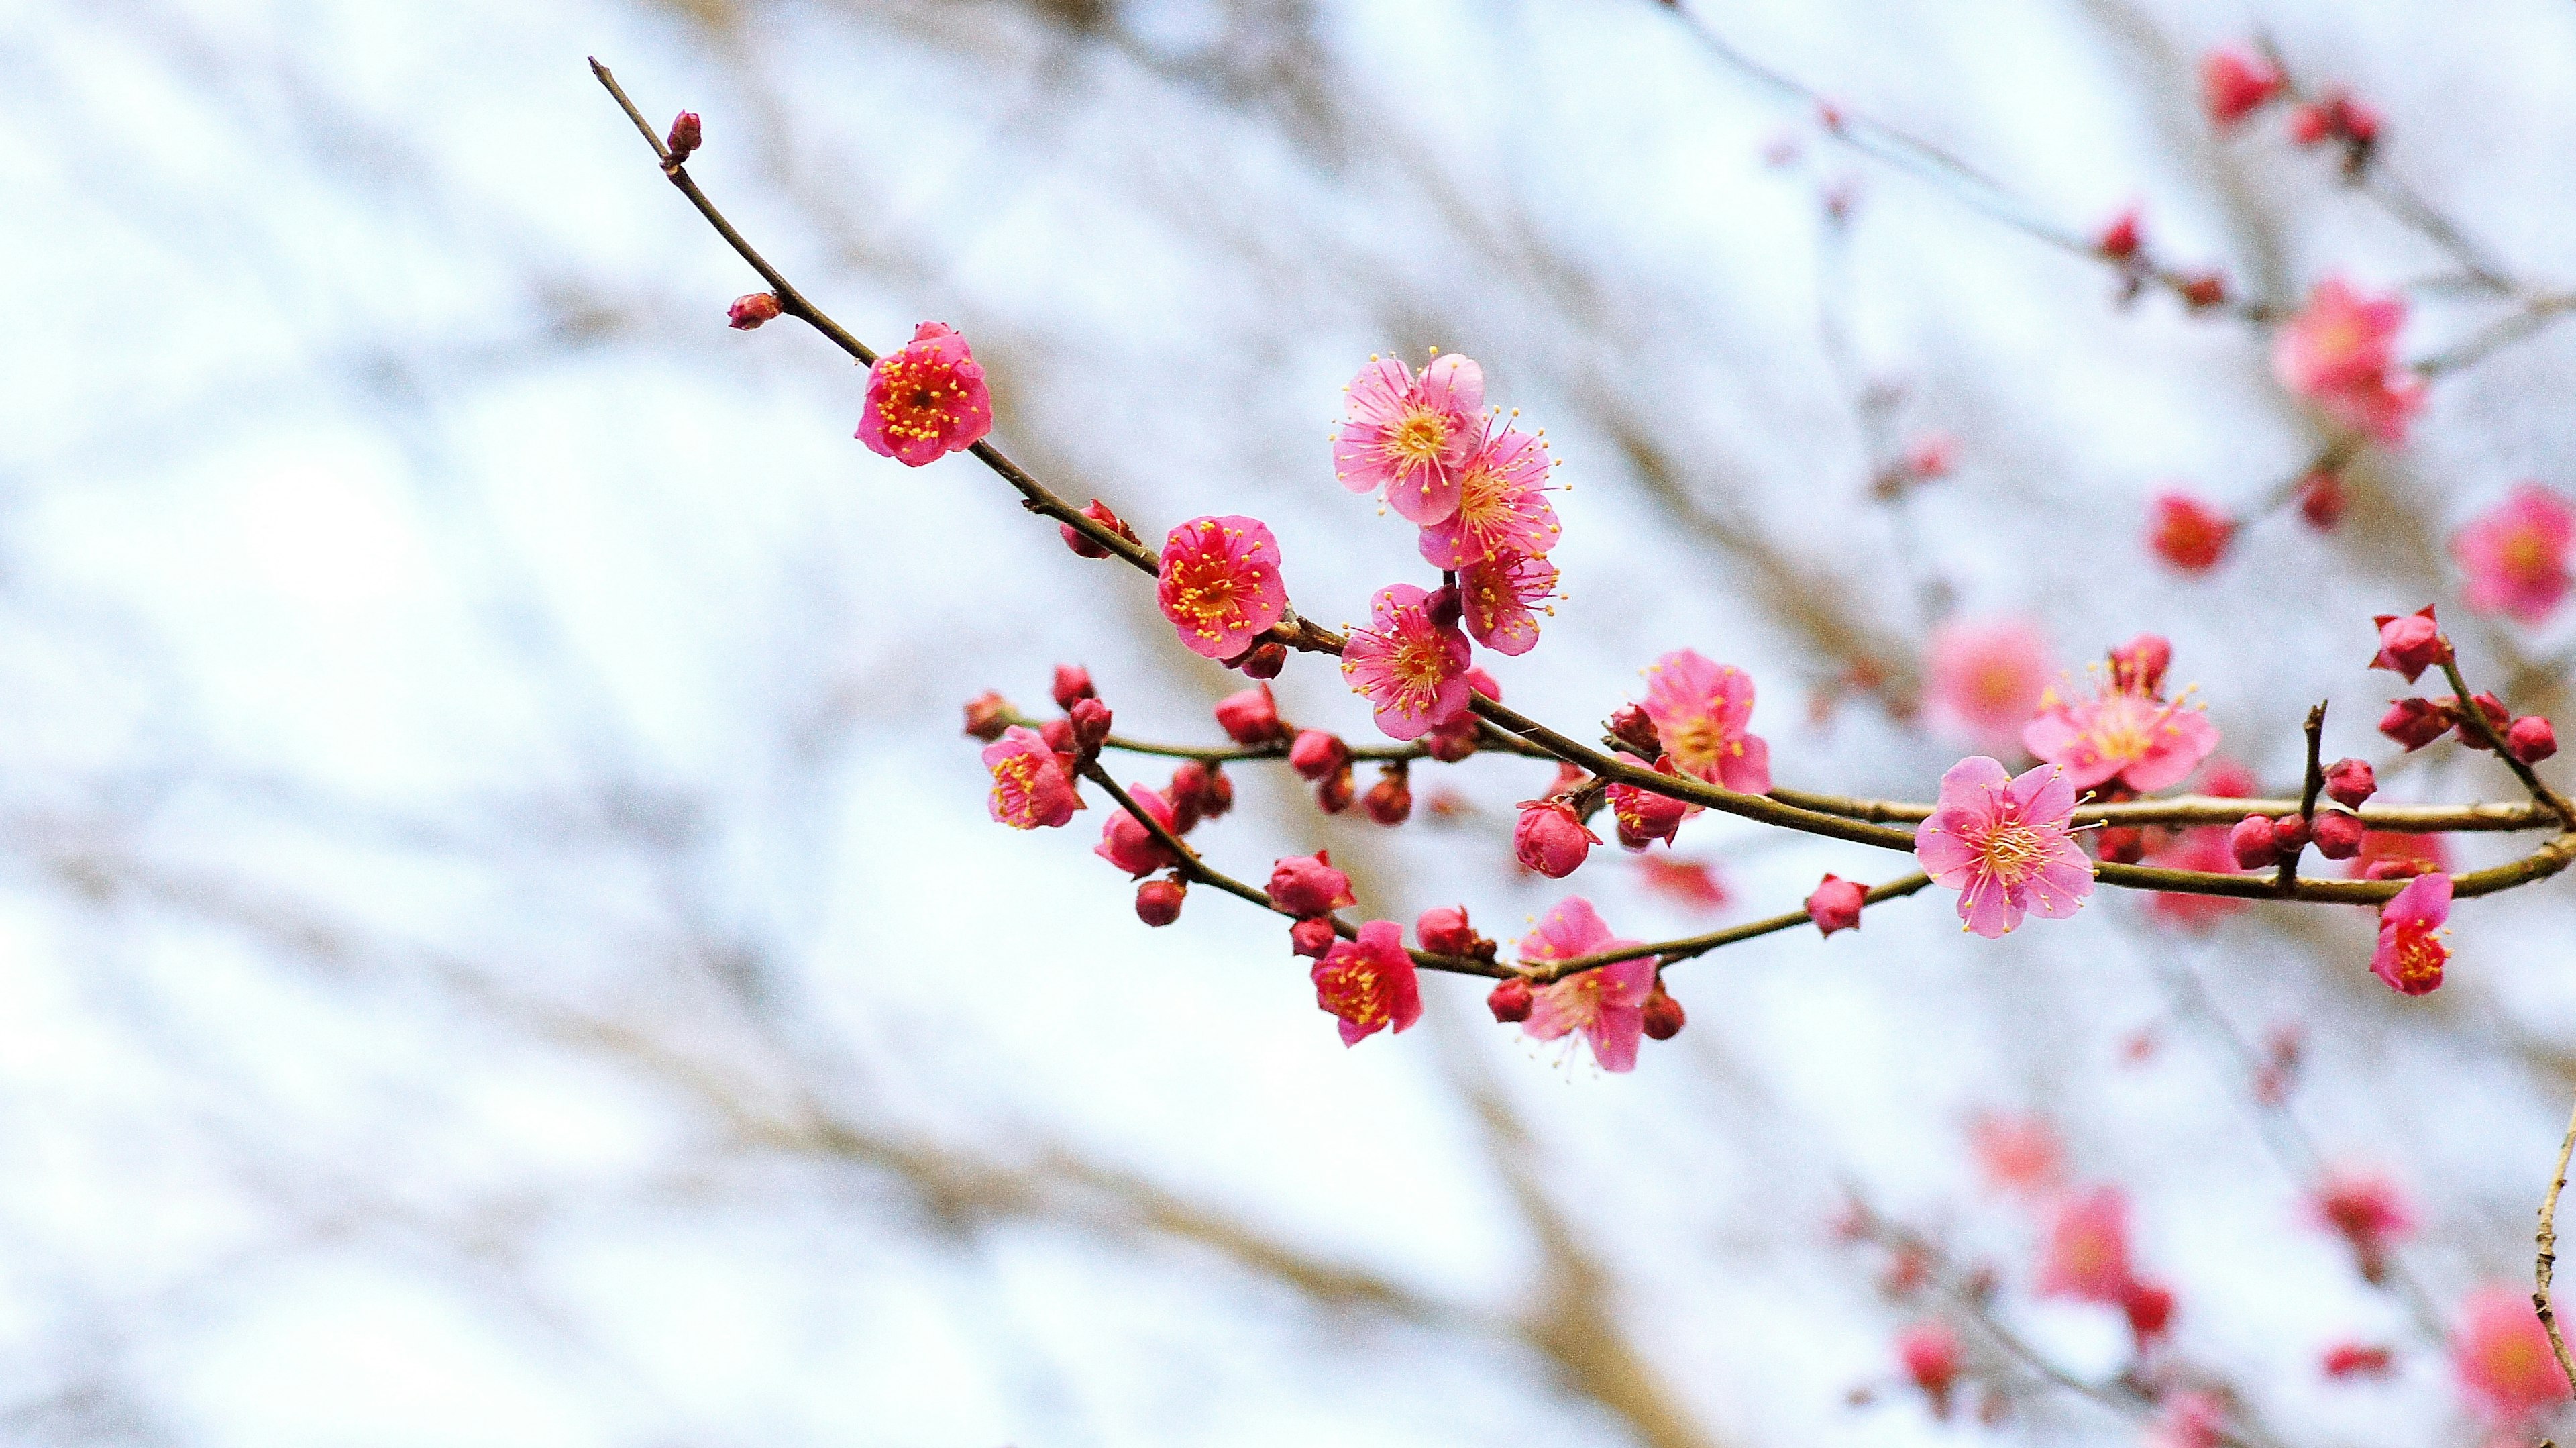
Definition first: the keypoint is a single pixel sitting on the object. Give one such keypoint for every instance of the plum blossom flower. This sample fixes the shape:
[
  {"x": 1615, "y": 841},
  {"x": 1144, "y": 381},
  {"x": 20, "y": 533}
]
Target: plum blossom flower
[
  {"x": 2017, "y": 1154},
  {"x": 1369, "y": 983},
  {"x": 2003, "y": 844},
  {"x": 1220, "y": 584},
  {"x": 1644, "y": 816},
  {"x": 1502, "y": 505},
  {"x": 927, "y": 399},
  {"x": 2501, "y": 1353},
  {"x": 2235, "y": 83},
  {"x": 2339, "y": 353},
  {"x": 1931, "y": 1355},
  {"x": 1126, "y": 843},
  {"x": 1502, "y": 597},
  {"x": 2128, "y": 731},
  {"x": 1987, "y": 678},
  {"x": 2086, "y": 1254},
  {"x": 1607, "y": 1004},
  {"x": 2515, "y": 553},
  {"x": 1412, "y": 670},
  {"x": 2188, "y": 533},
  {"x": 2368, "y": 1211},
  {"x": 1030, "y": 786},
  {"x": 2411, "y": 950},
  {"x": 1699, "y": 710},
  {"x": 1412, "y": 435}
]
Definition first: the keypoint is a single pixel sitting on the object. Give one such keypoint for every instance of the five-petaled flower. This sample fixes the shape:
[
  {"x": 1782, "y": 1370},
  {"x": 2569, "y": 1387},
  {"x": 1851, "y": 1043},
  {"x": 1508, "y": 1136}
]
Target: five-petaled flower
[
  {"x": 1987, "y": 678},
  {"x": 2003, "y": 844},
  {"x": 2502, "y": 1355},
  {"x": 1369, "y": 983},
  {"x": 1606, "y": 1004},
  {"x": 2128, "y": 731},
  {"x": 1411, "y": 669},
  {"x": 2411, "y": 950},
  {"x": 1220, "y": 584},
  {"x": 2339, "y": 352},
  {"x": 1412, "y": 435},
  {"x": 1502, "y": 597},
  {"x": 1700, "y": 710},
  {"x": 926, "y": 399},
  {"x": 2515, "y": 553},
  {"x": 1030, "y": 786},
  {"x": 1502, "y": 505},
  {"x": 2086, "y": 1254}
]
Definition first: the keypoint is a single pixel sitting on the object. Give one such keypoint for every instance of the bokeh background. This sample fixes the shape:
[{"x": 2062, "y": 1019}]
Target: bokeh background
[{"x": 502, "y": 943}]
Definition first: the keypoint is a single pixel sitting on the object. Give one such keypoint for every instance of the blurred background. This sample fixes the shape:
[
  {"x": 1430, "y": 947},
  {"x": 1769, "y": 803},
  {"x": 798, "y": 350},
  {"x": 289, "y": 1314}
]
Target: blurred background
[{"x": 503, "y": 943}]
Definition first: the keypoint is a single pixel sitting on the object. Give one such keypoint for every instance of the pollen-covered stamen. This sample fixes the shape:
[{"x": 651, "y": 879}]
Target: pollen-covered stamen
[
  {"x": 2421, "y": 952},
  {"x": 2014, "y": 853},
  {"x": 1353, "y": 993},
  {"x": 1419, "y": 440}
]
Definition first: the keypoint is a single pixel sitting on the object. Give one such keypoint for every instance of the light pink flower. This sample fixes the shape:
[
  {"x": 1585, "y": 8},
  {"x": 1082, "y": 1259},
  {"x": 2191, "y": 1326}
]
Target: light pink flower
[
  {"x": 2003, "y": 844},
  {"x": 1369, "y": 983},
  {"x": 1412, "y": 670},
  {"x": 1220, "y": 584},
  {"x": 1606, "y": 1004},
  {"x": 1988, "y": 678},
  {"x": 2017, "y": 1154},
  {"x": 1412, "y": 435},
  {"x": 1502, "y": 597},
  {"x": 1030, "y": 787},
  {"x": 2130, "y": 734},
  {"x": 927, "y": 399},
  {"x": 2339, "y": 352},
  {"x": 2501, "y": 1353},
  {"x": 2411, "y": 950},
  {"x": 2086, "y": 1254},
  {"x": 1126, "y": 843},
  {"x": 1502, "y": 505},
  {"x": 2367, "y": 1210},
  {"x": 2515, "y": 553},
  {"x": 1700, "y": 710}
]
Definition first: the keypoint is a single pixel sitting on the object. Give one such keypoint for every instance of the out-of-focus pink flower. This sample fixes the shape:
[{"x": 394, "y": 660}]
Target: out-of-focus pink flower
[
  {"x": 2358, "y": 1360},
  {"x": 2003, "y": 844},
  {"x": 2321, "y": 499},
  {"x": 2339, "y": 353},
  {"x": 1988, "y": 678},
  {"x": 2017, "y": 1154},
  {"x": 2388, "y": 855},
  {"x": 2410, "y": 643},
  {"x": 1307, "y": 885},
  {"x": 2129, "y": 734},
  {"x": 2367, "y": 1210},
  {"x": 1931, "y": 1355},
  {"x": 1605, "y": 1004},
  {"x": 1700, "y": 709},
  {"x": 2191, "y": 1418},
  {"x": 1412, "y": 671},
  {"x": 2502, "y": 1356},
  {"x": 1502, "y": 597},
  {"x": 1932, "y": 456},
  {"x": 1502, "y": 505},
  {"x": 1220, "y": 584},
  {"x": 1126, "y": 843},
  {"x": 1369, "y": 983},
  {"x": 2086, "y": 1254},
  {"x": 2188, "y": 533},
  {"x": 2411, "y": 950},
  {"x": 1691, "y": 882},
  {"x": 1836, "y": 904},
  {"x": 1030, "y": 786},
  {"x": 1550, "y": 838},
  {"x": 2515, "y": 553},
  {"x": 2229, "y": 779},
  {"x": 2204, "y": 849},
  {"x": 2149, "y": 1306},
  {"x": 1411, "y": 435},
  {"x": 927, "y": 399},
  {"x": 2235, "y": 83}
]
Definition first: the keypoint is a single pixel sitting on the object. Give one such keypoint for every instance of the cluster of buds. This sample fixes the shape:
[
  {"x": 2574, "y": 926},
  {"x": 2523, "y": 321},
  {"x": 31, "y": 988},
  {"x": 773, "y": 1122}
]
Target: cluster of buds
[
  {"x": 2411, "y": 643},
  {"x": 2123, "y": 242}
]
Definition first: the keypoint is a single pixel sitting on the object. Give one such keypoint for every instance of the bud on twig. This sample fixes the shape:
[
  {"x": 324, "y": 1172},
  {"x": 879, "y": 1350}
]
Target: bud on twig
[
  {"x": 752, "y": 309},
  {"x": 685, "y": 137}
]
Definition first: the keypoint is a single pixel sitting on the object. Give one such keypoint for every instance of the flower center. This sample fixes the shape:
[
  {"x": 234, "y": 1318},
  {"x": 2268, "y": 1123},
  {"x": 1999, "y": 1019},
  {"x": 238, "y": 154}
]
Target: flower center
[
  {"x": 2014, "y": 852},
  {"x": 1420, "y": 665},
  {"x": 1013, "y": 779},
  {"x": 1420, "y": 440},
  {"x": 1352, "y": 993},
  {"x": 2420, "y": 953},
  {"x": 2526, "y": 555},
  {"x": 917, "y": 398},
  {"x": 1204, "y": 589}
]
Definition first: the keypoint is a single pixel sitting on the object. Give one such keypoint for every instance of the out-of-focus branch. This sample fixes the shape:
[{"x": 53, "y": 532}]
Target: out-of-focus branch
[{"x": 2547, "y": 1261}]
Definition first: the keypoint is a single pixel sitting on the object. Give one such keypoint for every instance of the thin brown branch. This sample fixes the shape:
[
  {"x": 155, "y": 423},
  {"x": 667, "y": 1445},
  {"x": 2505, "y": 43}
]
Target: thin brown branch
[
  {"x": 2548, "y": 1259},
  {"x": 2315, "y": 782}
]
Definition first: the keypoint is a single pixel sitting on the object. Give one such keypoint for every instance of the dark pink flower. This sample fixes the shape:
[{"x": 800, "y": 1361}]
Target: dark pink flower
[
  {"x": 1605, "y": 1004},
  {"x": 927, "y": 399},
  {"x": 1502, "y": 597},
  {"x": 752, "y": 310},
  {"x": 2132, "y": 735},
  {"x": 2086, "y": 1254},
  {"x": 1550, "y": 838},
  {"x": 2235, "y": 83},
  {"x": 2350, "y": 782},
  {"x": 2188, "y": 533},
  {"x": 1502, "y": 505},
  {"x": 2003, "y": 844},
  {"x": 2338, "y": 835},
  {"x": 1315, "y": 753},
  {"x": 1643, "y": 815},
  {"x": 2411, "y": 951},
  {"x": 1511, "y": 1001},
  {"x": 2413, "y": 723},
  {"x": 1030, "y": 787},
  {"x": 2149, "y": 1306},
  {"x": 2531, "y": 739},
  {"x": 1836, "y": 904},
  {"x": 1412, "y": 670},
  {"x": 1126, "y": 843},
  {"x": 1158, "y": 902},
  {"x": 2017, "y": 1154},
  {"x": 1308, "y": 885},
  {"x": 1412, "y": 435},
  {"x": 2339, "y": 353},
  {"x": 1987, "y": 678},
  {"x": 1220, "y": 584},
  {"x": 1932, "y": 456},
  {"x": 1700, "y": 709},
  {"x": 2366, "y": 1210},
  {"x": 1369, "y": 983},
  {"x": 2502, "y": 1356},
  {"x": 2515, "y": 553}
]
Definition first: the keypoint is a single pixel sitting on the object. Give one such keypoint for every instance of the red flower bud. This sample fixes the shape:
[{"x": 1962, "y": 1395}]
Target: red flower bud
[
  {"x": 1058, "y": 734},
  {"x": 1551, "y": 839},
  {"x": 1308, "y": 885},
  {"x": 1452, "y": 741},
  {"x": 1265, "y": 661},
  {"x": 1444, "y": 608},
  {"x": 751, "y": 309},
  {"x": 1335, "y": 791},
  {"x": 2119, "y": 240},
  {"x": 2321, "y": 500},
  {"x": 1663, "y": 1016},
  {"x": 1931, "y": 1355},
  {"x": 1072, "y": 681},
  {"x": 1443, "y": 930},
  {"x": 2203, "y": 290},
  {"x": 2499, "y": 718},
  {"x": 2338, "y": 835},
  {"x": 1158, "y": 902},
  {"x": 2531, "y": 740},
  {"x": 1090, "y": 724},
  {"x": 2414, "y": 723},
  {"x": 1099, "y": 513},
  {"x": 1631, "y": 727},
  {"x": 2251, "y": 843},
  {"x": 1316, "y": 754},
  {"x": 2188, "y": 533},
  {"x": 2138, "y": 666},
  {"x": 686, "y": 135},
  {"x": 987, "y": 715},
  {"x": 1311, "y": 937},
  {"x": 1835, "y": 904},
  {"x": 1511, "y": 1000},
  {"x": 1250, "y": 718},
  {"x": 2310, "y": 124},
  {"x": 2350, "y": 781},
  {"x": 2120, "y": 844},
  {"x": 2150, "y": 1309},
  {"x": 1218, "y": 796},
  {"x": 2236, "y": 83},
  {"x": 2410, "y": 643},
  {"x": 1390, "y": 800},
  {"x": 2290, "y": 834}
]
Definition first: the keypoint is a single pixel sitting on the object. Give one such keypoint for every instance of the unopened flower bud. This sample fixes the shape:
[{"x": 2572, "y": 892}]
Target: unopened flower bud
[
  {"x": 1443, "y": 608},
  {"x": 1335, "y": 791},
  {"x": 1835, "y": 904},
  {"x": 1662, "y": 1015},
  {"x": 1551, "y": 839},
  {"x": 2499, "y": 718},
  {"x": 752, "y": 309},
  {"x": 2251, "y": 843},
  {"x": 1099, "y": 513},
  {"x": 2119, "y": 240},
  {"x": 1390, "y": 800},
  {"x": 2531, "y": 740},
  {"x": 1072, "y": 681},
  {"x": 2338, "y": 835},
  {"x": 1316, "y": 754},
  {"x": 1443, "y": 930},
  {"x": 1058, "y": 734},
  {"x": 1932, "y": 1357},
  {"x": 1265, "y": 661},
  {"x": 1311, "y": 937},
  {"x": 2351, "y": 781},
  {"x": 2290, "y": 834},
  {"x": 1218, "y": 796},
  {"x": 686, "y": 135},
  {"x": 1631, "y": 727},
  {"x": 1158, "y": 902},
  {"x": 2414, "y": 723},
  {"x": 1249, "y": 718},
  {"x": 1308, "y": 885},
  {"x": 2309, "y": 124},
  {"x": 987, "y": 715},
  {"x": 2321, "y": 500},
  {"x": 2120, "y": 844},
  {"x": 1090, "y": 724},
  {"x": 1511, "y": 1000},
  {"x": 2203, "y": 290},
  {"x": 2410, "y": 643},
  {"x": 2138, "y": 666},
  {"x": 1452, "y": 741}
]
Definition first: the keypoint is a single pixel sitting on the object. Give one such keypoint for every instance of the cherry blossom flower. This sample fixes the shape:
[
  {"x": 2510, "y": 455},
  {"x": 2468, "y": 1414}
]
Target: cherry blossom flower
[
  {"x": 1220, "y": 584},
  {"x": 2086, "y": 1254},
  {"x": 2235, "y": 83},
  {"x": 1502, "y": 597},
  {"x": 927, "y": 399},
  {"x": 1502, "y": 505},
  {"x": 1987, "y": 678},
  {"x": 2017, "y": 1154},
  {"x": 2515, "y": 554},
  {"x": 1700, "y": 710},
  {"x": 2411, "y": 950},
  {"x": 1030, "y": 786},
  {"x": 2339, "y": 353},
  {"x": 2003, "y": 844},
  {"x": 2501, "y": 1353},
  {"x": 1126, "y": 843},
  {"x": 2366, "y": 1210},
  {"x": 1606, "y": 1004},
  {"x": 1412, "y": 670},
  {"x": 1412, "y": 435},
  {"x": 2126, "y": 732},
  {"x": 1369, "y": 983}
]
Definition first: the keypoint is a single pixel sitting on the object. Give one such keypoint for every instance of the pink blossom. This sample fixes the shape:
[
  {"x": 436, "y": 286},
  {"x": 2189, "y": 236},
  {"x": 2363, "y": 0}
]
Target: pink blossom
[
  {"x": 1412, "y": 435},
  {"x": 1931, "y": 1354},
  {"x": 1550, "y": 838},
  {"x": 2086, "y": 1254},
  {"x": 2502, "y": 1355},
  {"x": 1030, "y": 786},
  {"x": 2130, "y": 734},
  {"x": 1988, "y": 678},
  {"x": 1643, "y": 815},
  {"x": 2339, "y": 352},
  {"x": 2017, "y": 1154},
  {"x": 2515, "y": 553},
  {"x": 2003, "y": 844},
  {"x": 1503, "y": 596},
  {"x": 1126, "y": 843},
  {"x": 2390, "y": 855},
  {"x": 1250, "y": 717},
  {"x": 2368, "y": 1211},
  {"x": 927, "y": 399},
  {"x": 2411, "y": 950},
  {"x": 1369, "y": 983},
  {"x": 2236, "y": 83},
  {"x": 1412, "y": 670},
  {"x": 1606, "y": 1004},
  {"x": 1307, "y": 885},
  {"x": 1502, "y": 505},
  {"x": 1700, "y": 710},
  {"x": 1220, "y": 584}
]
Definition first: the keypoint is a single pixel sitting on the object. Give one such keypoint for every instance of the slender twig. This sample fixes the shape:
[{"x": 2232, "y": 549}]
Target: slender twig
[
  {"x": 2288, "y": 879},
  {"x": 2475, "y": 716},
  {"x": 2548, "y": 1259},
  {"x": 1488, "y": 738}
]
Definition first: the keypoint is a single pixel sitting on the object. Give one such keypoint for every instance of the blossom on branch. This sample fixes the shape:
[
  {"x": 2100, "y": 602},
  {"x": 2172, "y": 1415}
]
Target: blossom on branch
[
  {"x": 2515, "y": 554},
  {"x": 2003, "y": 844},
  {"x": 2502, "y": 1356},
  {"x": 2086, "y": 1254},
  {"x": 1411, "y": 669},
  {"x": 1502, "y": 597},
  {"x": 2128, "y": 732},
  {"x": 927, "y": 399},
  {"x": 1700, "y": 710},
  {"x": 1220, "y": 584},
  {"x": 1126, "y": 843},
  {"x": 1606, "y": 1004},
  {"x": 1502, "y": 505},
  {"x": 2339, "y": 353},
  {"x": 1411, "y": 435},
  {"x": 2411, "y": 951},
  {"x": 1030, "y": 786},
  {"x": 1369, "y": 983}
]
